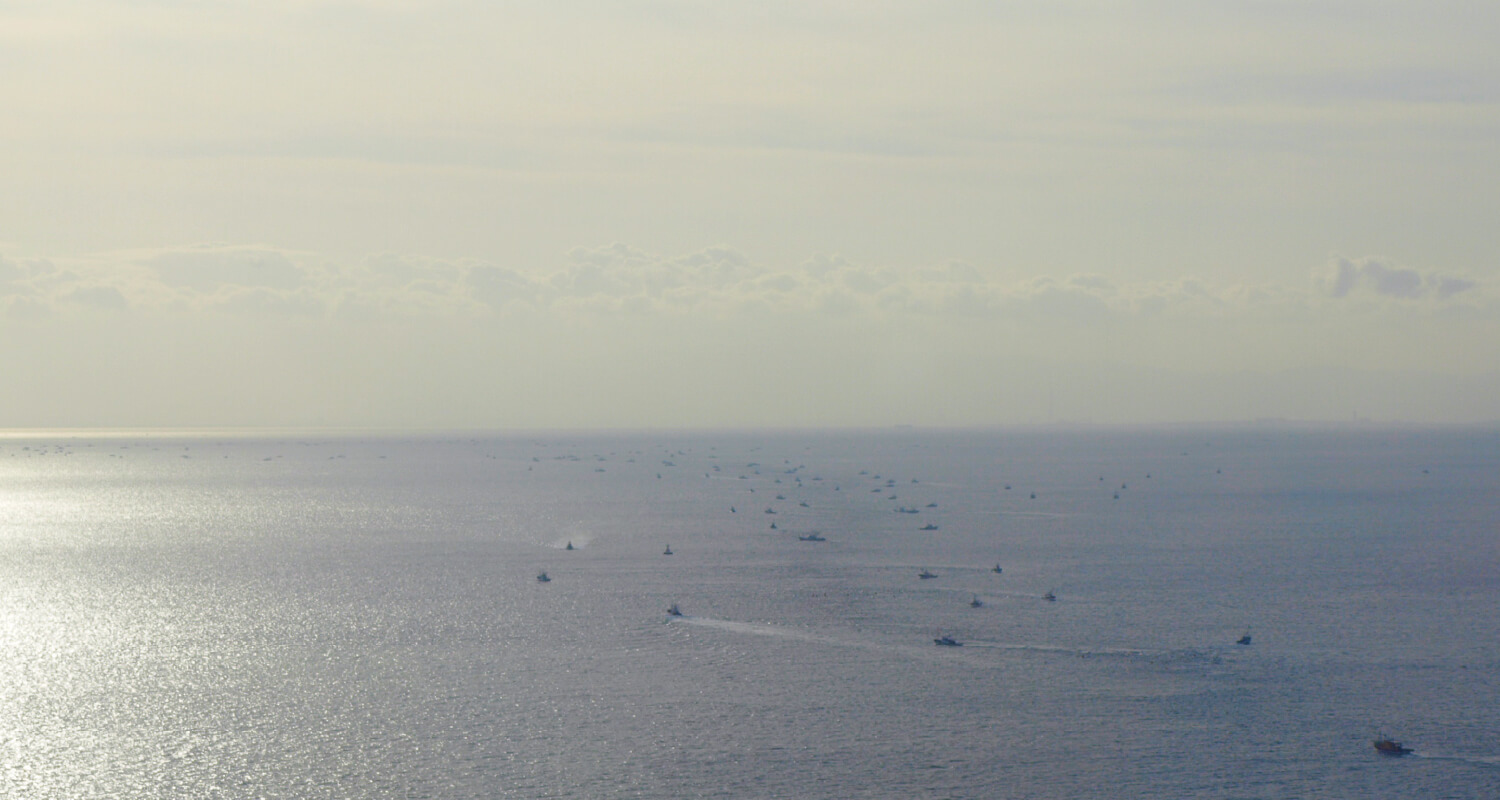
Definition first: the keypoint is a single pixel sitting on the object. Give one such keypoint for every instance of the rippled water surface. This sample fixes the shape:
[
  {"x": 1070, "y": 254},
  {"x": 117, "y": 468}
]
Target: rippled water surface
[{"x": 206, "y": 617}]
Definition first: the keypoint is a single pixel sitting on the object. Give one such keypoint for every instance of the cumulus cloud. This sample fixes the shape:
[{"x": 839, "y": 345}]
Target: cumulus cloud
[
  {"x": 104, "y": 298},
  {"x": 497, "y": 286},
  {"x": 716, "y": 282},
  {"x": 209, "y": 267},
  {"x": 1350, "y": 277}
]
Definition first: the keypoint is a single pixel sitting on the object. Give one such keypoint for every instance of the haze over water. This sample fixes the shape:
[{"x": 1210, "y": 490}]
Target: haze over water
[{"x": 345, "y": 617}]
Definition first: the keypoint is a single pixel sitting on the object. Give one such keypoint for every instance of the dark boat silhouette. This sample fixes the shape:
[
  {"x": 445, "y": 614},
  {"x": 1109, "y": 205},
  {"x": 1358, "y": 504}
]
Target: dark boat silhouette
[
  {"x": 668, "y": 551},
  {"x": 812, "y": 537},
  {"x": 928, "y": 527},
  {"x": 674, "y": 611},
  {"x": 976, "y": 602},
  {"x": 1390, "y": 747},
  {"x": 997, "y": 570},
  {"x": 924, "y": 575},
  {"x": 947, "y": 641},
  {"x": 1243, "y": 639},
  {"x": 569, "y": 547},
  {"x": 542, "y": 577},
  {"x": 1049, "y": 596}
]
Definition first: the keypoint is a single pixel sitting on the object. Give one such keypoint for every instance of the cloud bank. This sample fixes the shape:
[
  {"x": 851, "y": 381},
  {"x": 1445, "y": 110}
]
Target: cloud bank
[{"x": 715, "y": 282}]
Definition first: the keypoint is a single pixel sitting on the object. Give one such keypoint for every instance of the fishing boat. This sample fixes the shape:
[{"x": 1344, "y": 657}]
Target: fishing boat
[
  {"x": 997, "y": 570},
  {"x": 1049, "y": 596},
  {"x": 924, "y": 575},
  {"x": 1390, "y": 747},
  {"x": 674, "y": 611},
  {"x": 947, "y": 641},
  {"x": 1243, "y": 639},
  {"x": 976, "y": 602},
  {"x": 813, "y": 537},
  {"x": 542, "y": 577},
  {"x": 928, "y": 527},
  {"x": 668, "y": 551},
  {"x": 569, "y": 547}
]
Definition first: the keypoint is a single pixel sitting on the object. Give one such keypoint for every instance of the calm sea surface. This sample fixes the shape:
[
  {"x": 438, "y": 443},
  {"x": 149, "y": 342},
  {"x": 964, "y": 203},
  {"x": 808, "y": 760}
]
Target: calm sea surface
[{"x": 203, "y": 617}]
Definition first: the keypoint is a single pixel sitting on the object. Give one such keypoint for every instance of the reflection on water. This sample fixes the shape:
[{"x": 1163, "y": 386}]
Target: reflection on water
[{"x": 216, "y": 617}]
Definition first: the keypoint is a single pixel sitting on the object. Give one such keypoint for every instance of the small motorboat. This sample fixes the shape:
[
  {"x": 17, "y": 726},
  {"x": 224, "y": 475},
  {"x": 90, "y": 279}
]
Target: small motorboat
[
  {"x": 812, "y": 537},
  {"x": 947, "y": 641},
  {"x": 924, "y": 575},
  {"x": 1049, "y": 596},
  {"x": 569, "y": 547},
  {"x": 667, "y": 551},
  {"x": 997, "y": 570},
  {"x": 976, "y": 602},
  {"x": 542, "y": 577},
  {"x": 1243, "y": 639},
  {"x": 928, "y": 527},
  {"x": 1390, "y": 747},
  {"x": 674, "y": 611}
]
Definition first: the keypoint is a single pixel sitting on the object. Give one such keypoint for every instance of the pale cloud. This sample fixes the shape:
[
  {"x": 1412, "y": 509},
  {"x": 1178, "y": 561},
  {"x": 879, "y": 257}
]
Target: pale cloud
[
  {"x": 1351, "y": 277},
  {"x": 210, "y": 267},
  {"x": 102, "y": 298},
  {"x": 715, "y": 282}
]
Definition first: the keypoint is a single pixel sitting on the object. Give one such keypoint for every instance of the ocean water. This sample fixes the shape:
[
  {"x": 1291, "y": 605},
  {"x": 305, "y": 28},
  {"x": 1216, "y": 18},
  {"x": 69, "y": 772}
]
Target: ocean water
[{"x": 226, "y": 617}]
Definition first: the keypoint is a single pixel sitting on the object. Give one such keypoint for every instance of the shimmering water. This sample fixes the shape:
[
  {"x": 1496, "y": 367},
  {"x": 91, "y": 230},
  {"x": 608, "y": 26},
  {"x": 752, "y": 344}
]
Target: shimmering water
[{"x": 205, "y": 617}]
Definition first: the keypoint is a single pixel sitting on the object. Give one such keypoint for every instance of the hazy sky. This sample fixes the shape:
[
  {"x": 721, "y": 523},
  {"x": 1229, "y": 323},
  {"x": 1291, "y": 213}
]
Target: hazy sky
[{"x": 519, "y": 214}]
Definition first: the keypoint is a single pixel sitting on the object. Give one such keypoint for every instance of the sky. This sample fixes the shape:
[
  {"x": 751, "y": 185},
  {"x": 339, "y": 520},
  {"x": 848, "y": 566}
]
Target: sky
[{"x": 590, "y": 214}]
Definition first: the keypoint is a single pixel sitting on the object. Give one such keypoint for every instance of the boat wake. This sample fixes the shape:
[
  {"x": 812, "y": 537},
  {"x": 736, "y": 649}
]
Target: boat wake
[
  {"x": 762, "y": 630},
  {"x": 1484, "y": 761},
  {"x": 1123, "y": 653},
  {"x": 1182, "y": 657}
]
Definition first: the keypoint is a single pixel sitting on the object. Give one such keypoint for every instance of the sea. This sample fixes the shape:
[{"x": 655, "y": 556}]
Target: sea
[{"x": 332, "y": 615}]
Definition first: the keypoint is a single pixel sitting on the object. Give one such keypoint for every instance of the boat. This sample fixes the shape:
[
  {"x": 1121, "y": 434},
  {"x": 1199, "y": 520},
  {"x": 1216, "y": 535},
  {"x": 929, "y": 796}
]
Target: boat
[
  {"x": 947, "y": 641},
  {"x": 1243, "y": 639},
  {"x": 1390, "y": 747},
  {"x": 997, "y": 570},
  {"x": 976, "y": 602},
  {"x": 542, "y": 577},
  {"x": 928, "y": 527},
  {"x": 1049, "y": 596},
  {"x": 668, "y": 551},
  {"x": 924, "y": 575},
  {"x": 569, "y": 547},
  {"x": 674, "y": 611},
  {"x": 813, "y": 537}
]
